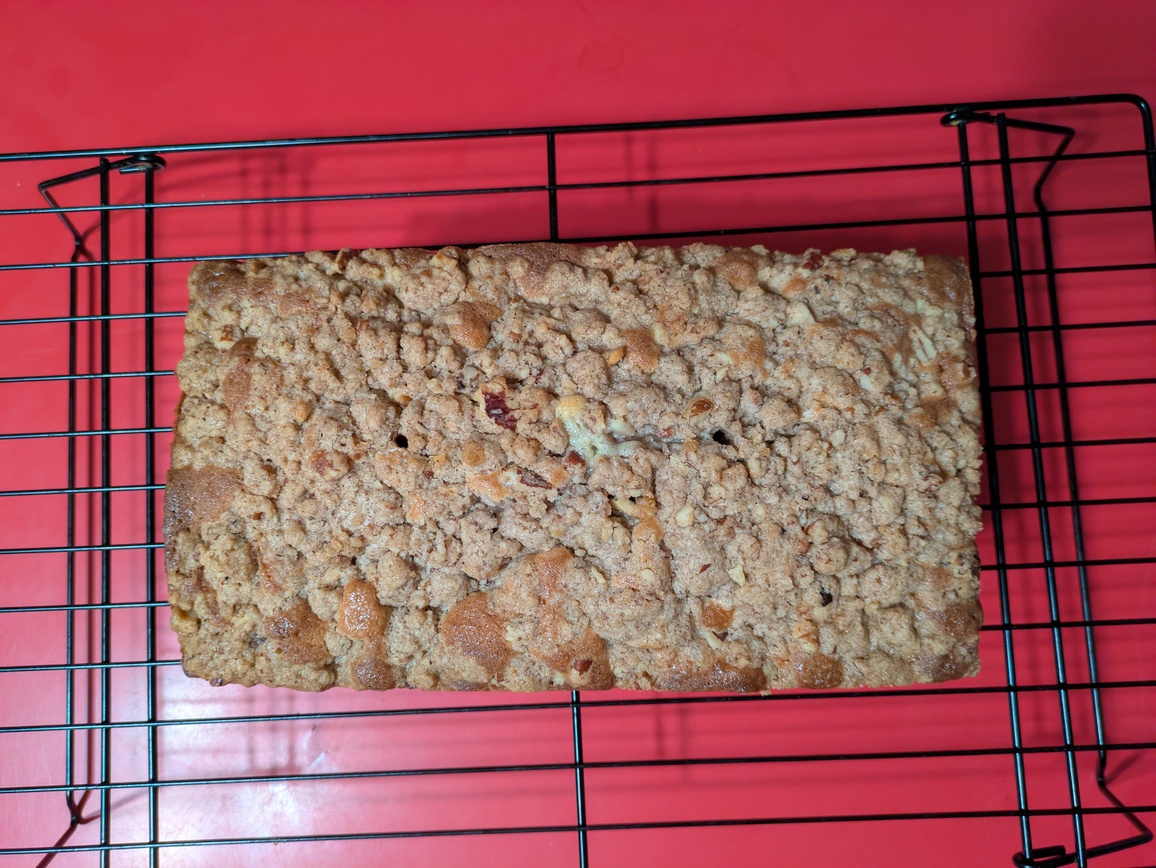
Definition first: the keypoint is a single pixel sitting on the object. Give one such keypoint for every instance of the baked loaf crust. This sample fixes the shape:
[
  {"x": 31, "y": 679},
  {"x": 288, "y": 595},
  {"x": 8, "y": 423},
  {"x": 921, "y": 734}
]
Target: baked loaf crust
[{"x": 545, "y": 466}]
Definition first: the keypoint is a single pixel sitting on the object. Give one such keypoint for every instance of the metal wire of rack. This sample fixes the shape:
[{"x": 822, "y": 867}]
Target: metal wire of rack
[{"x": 111, "y": 755}]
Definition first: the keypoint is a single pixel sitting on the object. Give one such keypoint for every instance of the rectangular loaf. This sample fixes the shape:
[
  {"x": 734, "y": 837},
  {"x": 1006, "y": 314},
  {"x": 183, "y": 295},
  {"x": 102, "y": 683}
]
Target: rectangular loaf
[{"x": 545, "y": 466}]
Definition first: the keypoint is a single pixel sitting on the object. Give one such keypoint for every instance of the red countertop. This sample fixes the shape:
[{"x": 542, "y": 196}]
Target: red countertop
[
  {"x": 117, "y": 74},
  {"x": 123, "y": 73}
]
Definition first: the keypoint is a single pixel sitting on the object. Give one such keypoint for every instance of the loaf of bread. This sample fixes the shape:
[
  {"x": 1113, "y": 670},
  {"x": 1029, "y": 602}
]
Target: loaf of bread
[{"x": 540, "y": 466}]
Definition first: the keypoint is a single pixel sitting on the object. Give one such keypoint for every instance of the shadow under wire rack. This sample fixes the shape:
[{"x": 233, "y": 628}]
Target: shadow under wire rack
[{"x": 111, "y": 756}]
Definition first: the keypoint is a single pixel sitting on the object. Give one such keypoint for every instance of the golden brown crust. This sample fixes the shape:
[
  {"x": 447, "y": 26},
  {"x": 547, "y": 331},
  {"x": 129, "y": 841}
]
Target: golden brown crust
[
  {"x": 298, "y": 635},
  {"x": 949, "y": 285},
  {"x": 713, "y": 675},
  {"x": 545, "y": 466},
  {"x": 471, "y": 628},
  {"x": 195, "y": 495}
]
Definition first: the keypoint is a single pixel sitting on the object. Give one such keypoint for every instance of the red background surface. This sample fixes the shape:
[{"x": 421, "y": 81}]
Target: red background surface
[
  {"x": 125, "y": 73},
  {"x": 81, "y": 75}
]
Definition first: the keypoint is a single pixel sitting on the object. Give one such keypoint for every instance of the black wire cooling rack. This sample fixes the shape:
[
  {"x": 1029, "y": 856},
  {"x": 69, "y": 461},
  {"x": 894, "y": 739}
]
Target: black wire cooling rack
[{"x": 111, "y": 756}]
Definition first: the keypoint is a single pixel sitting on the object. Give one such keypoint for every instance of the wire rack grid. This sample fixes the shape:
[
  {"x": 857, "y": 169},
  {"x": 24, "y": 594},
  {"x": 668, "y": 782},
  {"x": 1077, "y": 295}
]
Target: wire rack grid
[{"x": 111, "y": 756}]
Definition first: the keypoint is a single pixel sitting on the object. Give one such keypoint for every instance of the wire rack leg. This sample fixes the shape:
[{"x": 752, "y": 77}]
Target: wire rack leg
[
  {"x": 74, "y": 802},
  {"x": 77, "y": 797},
  {"x": 1052, "y": 856},
  {"x": 1037, "y": 453},
  {"x": 150, "y": 519},
  {"x": 1144, "y": 834},
  {"x": 579, "y": 778},
  {"x": 996, "y": 513}
]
